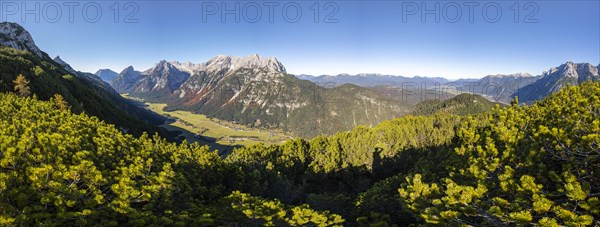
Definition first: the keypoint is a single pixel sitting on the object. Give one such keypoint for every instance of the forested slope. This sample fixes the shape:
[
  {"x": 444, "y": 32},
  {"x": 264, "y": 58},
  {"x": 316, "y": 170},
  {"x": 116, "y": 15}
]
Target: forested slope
[
  {"x": 462, "y": 104},
  {"x": 60, "y": 168},
  {"x": 47, "y": 78},
  {"x": 527, "y": 165}
]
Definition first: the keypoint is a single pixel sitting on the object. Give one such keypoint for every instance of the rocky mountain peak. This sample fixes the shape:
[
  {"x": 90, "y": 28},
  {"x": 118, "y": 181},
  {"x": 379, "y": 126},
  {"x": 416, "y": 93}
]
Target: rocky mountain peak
[
  {"x": 251, "y": 61},
  {"x": 256, "y": 61},
  {"x": 129, "y": 73},
  {"x": 104, "y": 70},
  {"x": 580, "y": 71},
  {"x": 15, "y": 36},
  {"x": 128, "y": 69},
  {"x": 125, "y": 80},
  {"x": 59, "y": 60},
  {"x": 106, "y": 74},
  {"x": 557, "y": 77},
  {"x": 165, "y": 67},
  {"x": 65, "y": 65},
  {"x": 229, "y": 63}
]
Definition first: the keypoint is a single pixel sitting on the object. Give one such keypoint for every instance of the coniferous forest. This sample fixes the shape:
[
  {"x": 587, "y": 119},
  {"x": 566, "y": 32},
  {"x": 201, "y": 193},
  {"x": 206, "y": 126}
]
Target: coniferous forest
[
  {"x": 77, "y": 150},
  {"x": 517, "y": 165}
]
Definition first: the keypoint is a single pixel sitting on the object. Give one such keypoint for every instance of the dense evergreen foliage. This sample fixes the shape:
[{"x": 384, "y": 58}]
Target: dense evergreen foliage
[
  {"x": 57, "y": 168},
  {"x": 518, "y": 165},
  {"x": 529, "y": 165}
]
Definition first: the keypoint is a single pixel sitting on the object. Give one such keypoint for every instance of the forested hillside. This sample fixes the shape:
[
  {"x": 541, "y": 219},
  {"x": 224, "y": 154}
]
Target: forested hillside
[
  {"x": 47, "y": 78},
  {"x": 60, "y": 168},
  {"x": 526, "y": 165},
  {"x": 518, "y": 165},
  {"x": 462, "y": 104}
]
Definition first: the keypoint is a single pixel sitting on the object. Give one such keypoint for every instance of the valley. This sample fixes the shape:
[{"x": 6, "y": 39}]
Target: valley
[
  {"x": 257, "y": 92},
  {"x": 218, "y": 134}
]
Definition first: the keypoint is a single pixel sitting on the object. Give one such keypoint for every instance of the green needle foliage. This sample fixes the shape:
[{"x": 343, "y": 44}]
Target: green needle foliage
[
  {"x": 27, "y": 74},
  {"x": 60, "y": 168},
  {"x": 536, "y": 165}
]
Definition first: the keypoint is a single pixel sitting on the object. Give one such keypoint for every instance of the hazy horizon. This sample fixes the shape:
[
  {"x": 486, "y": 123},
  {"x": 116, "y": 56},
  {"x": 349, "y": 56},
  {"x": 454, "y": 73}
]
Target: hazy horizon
[{"x": 352, "y": 37}]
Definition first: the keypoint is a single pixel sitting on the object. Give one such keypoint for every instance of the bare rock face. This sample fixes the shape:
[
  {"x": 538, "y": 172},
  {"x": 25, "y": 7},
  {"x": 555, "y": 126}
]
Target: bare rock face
[
  {"x": 65, "y": 65},
  {"x": 126, "y": 80},
  {"x": 106, "y": 74},
  {"x": 557, "y": 77}
]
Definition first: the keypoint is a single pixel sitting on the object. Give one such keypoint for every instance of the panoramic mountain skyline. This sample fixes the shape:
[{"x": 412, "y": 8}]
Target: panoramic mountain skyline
[
  {"x": 223, "y": 125},
  {"x": 380, "y": 37}
]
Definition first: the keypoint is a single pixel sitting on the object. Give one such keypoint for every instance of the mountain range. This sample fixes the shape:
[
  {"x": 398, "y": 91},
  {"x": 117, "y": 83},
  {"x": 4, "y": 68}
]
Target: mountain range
[
  {"x": 257, "y": 91},
  {"x": 371, "y": 80},
  {"x": 557, "y": 77},
  {"x": 498, "y": 88}
]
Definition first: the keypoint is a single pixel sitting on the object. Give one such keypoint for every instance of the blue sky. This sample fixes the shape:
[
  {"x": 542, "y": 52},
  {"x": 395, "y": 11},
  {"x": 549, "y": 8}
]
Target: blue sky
[{"x": 388, "y": 37}]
